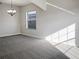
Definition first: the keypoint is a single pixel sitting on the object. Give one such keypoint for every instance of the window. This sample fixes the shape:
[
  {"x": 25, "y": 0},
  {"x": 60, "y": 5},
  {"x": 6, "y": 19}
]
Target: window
[
  {"x": 66, "y": 36},
  {"x": 31, "y": 20}
]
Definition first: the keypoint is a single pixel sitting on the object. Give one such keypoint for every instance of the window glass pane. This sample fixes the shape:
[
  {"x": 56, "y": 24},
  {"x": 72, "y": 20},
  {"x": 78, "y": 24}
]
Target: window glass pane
[{"x": 31, "y": 19}]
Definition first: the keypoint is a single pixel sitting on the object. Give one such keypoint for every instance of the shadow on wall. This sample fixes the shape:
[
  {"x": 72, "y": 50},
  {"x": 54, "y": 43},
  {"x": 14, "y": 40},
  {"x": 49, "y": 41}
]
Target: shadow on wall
[{"x": 65, "y": 36}]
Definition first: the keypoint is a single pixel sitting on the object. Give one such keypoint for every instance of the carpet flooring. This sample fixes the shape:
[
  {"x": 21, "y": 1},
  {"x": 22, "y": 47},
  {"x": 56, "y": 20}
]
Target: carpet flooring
[{"x": 23, "y": 47}]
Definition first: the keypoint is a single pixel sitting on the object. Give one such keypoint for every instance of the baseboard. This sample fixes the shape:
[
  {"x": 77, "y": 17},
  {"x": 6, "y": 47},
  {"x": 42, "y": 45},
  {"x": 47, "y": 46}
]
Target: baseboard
[
  {"x": 9, "y": 35},
  {"x": 35, "y": 36},
  {"x": 39, "y": 37}
]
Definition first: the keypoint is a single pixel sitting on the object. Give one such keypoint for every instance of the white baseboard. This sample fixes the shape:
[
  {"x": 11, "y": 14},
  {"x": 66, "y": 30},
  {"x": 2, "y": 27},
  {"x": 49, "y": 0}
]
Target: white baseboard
[
  {"x": 22, "y": 34},
  {"x": 33, "y": 36},
  {"x": 9, "y": 34}
]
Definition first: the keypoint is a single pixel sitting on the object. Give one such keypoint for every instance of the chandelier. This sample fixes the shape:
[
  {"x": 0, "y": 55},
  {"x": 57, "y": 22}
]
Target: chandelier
[{"x": 11, "y": 11}]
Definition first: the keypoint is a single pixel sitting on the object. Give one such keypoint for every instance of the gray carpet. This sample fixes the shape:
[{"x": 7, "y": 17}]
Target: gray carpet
[{"x": 23, "y": 47}]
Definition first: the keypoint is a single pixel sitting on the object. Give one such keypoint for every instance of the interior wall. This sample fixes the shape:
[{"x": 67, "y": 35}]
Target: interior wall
[
  {"x": 49, "y": 22},
  {"x": 24, "y": 30},
  {"x": 9, "y": 25}
]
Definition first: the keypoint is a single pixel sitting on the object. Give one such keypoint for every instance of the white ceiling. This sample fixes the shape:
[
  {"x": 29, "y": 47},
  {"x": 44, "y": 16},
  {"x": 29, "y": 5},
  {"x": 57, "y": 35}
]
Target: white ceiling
[
  {"x": 69, "y": 4},
  {"x": 66, "y": 3},
  {"x": 39, "y": 3},
  {"x": 16, "y": 2}
]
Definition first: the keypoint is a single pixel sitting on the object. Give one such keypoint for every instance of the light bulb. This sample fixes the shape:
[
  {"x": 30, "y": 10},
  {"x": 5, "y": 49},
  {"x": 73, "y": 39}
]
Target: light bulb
[{"x": 11, "y": 12}]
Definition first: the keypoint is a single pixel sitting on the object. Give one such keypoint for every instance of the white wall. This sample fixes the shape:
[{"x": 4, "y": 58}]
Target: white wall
[
  {"x": 35, "y": 33},
  {"x": 50, "y": 21},
  {"x": 8, "y": 25}
]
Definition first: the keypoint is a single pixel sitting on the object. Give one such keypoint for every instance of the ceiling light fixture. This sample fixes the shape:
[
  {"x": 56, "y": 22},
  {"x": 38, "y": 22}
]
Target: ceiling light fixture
[{"x": 11, "y": 11}]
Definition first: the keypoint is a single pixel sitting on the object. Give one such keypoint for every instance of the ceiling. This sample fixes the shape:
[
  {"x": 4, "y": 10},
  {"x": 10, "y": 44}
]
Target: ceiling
[
  {"x": 63, "y": 3},
  {"x": 16, "y": 2},
  {"x": 40, "y": 3},
  {"x": 66, "y": 4}
]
